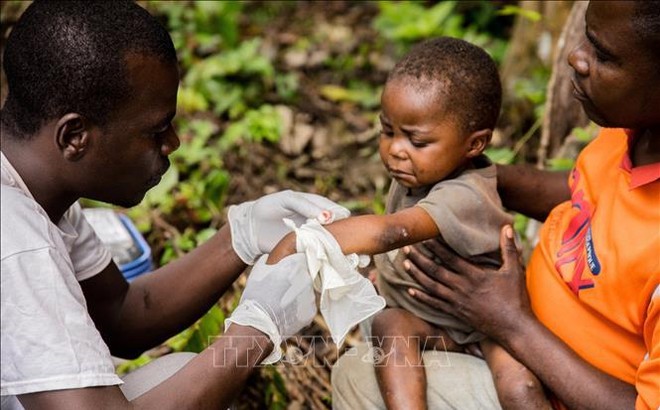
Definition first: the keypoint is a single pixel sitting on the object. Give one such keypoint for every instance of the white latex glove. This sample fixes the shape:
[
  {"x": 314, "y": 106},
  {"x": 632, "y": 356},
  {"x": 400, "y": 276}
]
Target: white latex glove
[
  {"x": 278, "y": 300},
  {"x": 257, "y": 226}
]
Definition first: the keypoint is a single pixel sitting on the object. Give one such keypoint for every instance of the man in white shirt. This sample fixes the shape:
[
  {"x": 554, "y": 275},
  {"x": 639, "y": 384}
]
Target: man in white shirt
[{"x": 92, "y": 92}]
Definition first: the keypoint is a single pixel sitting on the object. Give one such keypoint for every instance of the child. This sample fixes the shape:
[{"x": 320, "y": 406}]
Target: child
[{"x": 439, "y": 107}]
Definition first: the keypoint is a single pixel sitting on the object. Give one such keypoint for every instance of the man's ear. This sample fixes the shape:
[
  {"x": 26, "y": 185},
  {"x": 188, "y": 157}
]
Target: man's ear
[
  {"x": 72, "y": 136},
  {"x": 478, "y": 141}
]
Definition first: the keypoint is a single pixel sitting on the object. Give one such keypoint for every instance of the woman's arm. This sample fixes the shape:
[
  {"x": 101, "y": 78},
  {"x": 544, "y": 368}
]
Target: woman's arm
[
  {"x": 496, "y": 303},
  {"x": 531, "y": 191},
  {"x": 371, "y": 234}
]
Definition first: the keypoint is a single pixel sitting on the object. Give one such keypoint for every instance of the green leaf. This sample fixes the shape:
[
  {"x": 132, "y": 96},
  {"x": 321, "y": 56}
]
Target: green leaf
[
  {"x": 162, "y": 192},
  {"x": 130, "y": 365},
  {"x": 191, "y": 100},
  {"x": 520, "y": 223},
  {"x": 257, "y": 125},
  {"x": 500, "y": 155},
  {"x": 584, "y": 135},
  {"x": 511, "y": 10},
  {"x": 198, "y": 336},
  {"x": 561, "y": 164}
]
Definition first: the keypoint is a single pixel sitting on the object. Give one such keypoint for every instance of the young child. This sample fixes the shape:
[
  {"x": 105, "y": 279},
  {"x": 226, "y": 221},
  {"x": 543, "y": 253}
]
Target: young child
[{"x": 439, "y": 107}]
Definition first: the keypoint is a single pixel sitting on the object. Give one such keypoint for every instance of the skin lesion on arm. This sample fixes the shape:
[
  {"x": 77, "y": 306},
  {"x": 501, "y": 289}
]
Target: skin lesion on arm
[{"x": 371, "y": 234}]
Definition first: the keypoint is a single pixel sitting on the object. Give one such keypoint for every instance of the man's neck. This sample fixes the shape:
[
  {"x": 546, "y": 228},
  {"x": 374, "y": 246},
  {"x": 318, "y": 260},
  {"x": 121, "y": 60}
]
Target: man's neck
[
  {"x": 39, "y": 174},
  {"x": 646, "y": 149}
]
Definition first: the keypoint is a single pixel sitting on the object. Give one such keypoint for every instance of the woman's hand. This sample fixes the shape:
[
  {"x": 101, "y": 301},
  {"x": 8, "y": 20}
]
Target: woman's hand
[{"x": 492, "y": 301}]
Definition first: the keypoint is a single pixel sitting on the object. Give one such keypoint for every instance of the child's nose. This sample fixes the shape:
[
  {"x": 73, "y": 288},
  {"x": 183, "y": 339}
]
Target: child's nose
[{"x": 398, "y": 147}]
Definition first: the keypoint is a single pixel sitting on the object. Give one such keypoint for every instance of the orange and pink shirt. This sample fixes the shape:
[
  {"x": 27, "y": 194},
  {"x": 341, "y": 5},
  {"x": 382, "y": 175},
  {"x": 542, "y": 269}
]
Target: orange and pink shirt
[{"x": 594, "y": 278}]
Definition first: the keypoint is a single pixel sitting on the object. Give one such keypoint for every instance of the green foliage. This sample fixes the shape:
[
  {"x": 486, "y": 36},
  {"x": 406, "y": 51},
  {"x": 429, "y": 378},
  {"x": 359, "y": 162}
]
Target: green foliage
[
  {"x": 407, "y": 22},
  {"x": 200, "y": 27},
  {"x": 130, "y": 365},
  {"x": 502, "y": 156},
  {"x": 511, "y": 10},
  {"x": 200, "y": 335},
  {"x": 520, "y": 223},
  {"x": 357, "y": 92},
  {"x": 533, "y": 89},
  {"x": 185, "y": 242},
  {"x": 231, "y": 81},
  {"x": 262, "y": 124}
]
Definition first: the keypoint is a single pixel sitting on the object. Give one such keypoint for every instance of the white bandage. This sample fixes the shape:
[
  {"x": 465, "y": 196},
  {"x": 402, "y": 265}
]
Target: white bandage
[{"x": 347, "y": 298}]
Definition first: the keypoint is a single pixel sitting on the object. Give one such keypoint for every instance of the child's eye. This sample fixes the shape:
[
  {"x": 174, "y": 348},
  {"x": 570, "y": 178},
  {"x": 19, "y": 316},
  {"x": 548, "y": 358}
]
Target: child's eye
[
  {"x": 386, "y": 133},
  {"x": 418, "y": 144}
]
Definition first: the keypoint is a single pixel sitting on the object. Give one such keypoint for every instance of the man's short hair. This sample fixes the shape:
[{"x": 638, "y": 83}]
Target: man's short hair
[
  {"x": 69, "y": 56},
  {"x": 464, "y": 76}
]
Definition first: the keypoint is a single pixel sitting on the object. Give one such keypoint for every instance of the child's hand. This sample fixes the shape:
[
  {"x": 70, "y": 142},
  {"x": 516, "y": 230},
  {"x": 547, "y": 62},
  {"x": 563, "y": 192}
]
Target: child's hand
[{"x": 286, "y": 247}]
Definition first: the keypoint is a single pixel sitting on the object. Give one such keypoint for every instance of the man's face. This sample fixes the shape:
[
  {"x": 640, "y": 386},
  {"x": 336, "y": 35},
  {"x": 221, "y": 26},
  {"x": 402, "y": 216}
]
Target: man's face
[
  {"x": 131, "y": 155},
  {"x": 419, "y": 144},
  {"x": 616, "y": 78}
]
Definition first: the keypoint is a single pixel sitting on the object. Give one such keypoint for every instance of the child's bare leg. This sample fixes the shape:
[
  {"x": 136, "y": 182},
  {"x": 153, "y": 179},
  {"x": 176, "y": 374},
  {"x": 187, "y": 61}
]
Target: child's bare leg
[
  {"x": 400, "y": 337},
  {"x": 516, "y": 386}
]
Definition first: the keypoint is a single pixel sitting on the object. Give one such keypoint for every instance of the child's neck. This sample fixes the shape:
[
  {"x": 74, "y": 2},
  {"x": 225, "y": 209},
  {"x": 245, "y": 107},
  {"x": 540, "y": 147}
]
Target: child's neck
[{"x": 469, "y": 163}]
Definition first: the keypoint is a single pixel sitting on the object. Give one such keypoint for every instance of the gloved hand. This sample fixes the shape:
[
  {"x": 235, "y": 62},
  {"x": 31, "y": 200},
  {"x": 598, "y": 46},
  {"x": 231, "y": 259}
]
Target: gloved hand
[
  {"x": 278, "y": 300},
  {"x": 257, "y": 226}
]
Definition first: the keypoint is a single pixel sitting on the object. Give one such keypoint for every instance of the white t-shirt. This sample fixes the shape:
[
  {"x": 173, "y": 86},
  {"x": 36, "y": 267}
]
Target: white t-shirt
[{"x": 49, "y": 341}]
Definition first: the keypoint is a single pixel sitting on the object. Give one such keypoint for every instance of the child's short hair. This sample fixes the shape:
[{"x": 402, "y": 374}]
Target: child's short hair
[{"x": 463, "y": 74}]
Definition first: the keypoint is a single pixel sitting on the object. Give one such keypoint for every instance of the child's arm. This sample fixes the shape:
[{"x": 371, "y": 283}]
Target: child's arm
[{"x": 371, "y": 234}]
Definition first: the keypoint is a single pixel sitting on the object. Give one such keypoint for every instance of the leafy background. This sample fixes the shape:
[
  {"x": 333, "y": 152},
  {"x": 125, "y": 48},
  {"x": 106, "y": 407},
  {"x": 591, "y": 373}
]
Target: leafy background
[{"x": 285, "y": 95}]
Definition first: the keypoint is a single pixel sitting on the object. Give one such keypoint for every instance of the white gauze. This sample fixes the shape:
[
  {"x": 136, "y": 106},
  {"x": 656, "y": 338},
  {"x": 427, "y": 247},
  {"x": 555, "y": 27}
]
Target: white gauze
[{"x": 347, "y": 297}]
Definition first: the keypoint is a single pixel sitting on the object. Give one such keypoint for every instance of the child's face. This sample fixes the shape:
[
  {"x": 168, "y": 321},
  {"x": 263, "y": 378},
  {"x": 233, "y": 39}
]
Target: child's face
[
  {"x": 615, "y": 76},
  {"x": 419, "y": 143}
]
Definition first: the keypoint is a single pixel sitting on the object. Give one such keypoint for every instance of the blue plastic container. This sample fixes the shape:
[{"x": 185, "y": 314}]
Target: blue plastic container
[
  {"x": 127, "y": 246},
  {"x": 143, "y": 263}
]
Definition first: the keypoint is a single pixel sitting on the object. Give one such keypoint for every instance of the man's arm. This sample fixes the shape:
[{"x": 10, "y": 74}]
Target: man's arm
[
  {"x": 531, "y": 191},
  {"x": 278, "y": 300},
  {"x": 496, "y": 303},
  {"x": 371, "y": 234},
  {"x": 210, "y": 380},
  {"x": 134, "y": 318}
]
